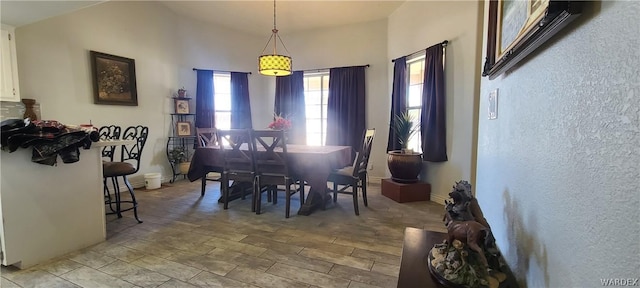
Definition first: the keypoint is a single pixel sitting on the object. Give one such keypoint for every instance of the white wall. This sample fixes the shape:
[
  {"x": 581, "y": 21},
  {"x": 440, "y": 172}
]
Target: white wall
[
  {"x": 558, "y": 170},
  {"x": 53, "y": 56},
  {"x": 417, "y": 25}
]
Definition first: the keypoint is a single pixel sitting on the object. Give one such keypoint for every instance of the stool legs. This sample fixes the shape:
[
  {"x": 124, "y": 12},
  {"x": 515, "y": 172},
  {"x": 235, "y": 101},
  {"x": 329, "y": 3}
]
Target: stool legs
[{"x": 118, "y": 198}]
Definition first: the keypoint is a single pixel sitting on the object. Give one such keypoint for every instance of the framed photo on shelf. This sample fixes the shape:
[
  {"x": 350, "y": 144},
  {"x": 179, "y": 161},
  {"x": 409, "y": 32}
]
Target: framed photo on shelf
[
  {"x": 182, "y": 106},
  {"x": 183, "y": 128},
  {"x": 114, "y": 79}
]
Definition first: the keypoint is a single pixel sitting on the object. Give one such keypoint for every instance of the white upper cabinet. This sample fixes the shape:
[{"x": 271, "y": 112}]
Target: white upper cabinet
[{"x": 9, "y": 90}]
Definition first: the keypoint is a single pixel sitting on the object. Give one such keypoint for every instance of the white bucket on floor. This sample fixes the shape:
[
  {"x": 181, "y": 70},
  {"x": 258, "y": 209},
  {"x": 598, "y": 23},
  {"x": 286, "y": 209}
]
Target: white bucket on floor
[{"x": 152, "y": 180}]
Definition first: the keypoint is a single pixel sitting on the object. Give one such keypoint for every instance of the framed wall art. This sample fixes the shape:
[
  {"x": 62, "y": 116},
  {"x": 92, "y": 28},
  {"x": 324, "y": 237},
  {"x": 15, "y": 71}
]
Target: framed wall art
[
  {"x": 114, "y": 79},
  {"x": 517, "y": 27},
  {"x": 183, "y": 128},
  {"x": 182, "y": 106}
]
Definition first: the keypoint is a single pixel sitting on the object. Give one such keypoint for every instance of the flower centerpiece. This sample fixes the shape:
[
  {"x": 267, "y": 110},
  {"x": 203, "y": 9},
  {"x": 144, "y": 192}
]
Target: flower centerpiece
[{"x": 280, "y": 123}]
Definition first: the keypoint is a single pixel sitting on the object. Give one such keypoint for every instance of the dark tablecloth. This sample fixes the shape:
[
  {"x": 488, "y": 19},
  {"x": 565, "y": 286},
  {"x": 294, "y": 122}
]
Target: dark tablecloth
[{"x": 312, "y": 163}]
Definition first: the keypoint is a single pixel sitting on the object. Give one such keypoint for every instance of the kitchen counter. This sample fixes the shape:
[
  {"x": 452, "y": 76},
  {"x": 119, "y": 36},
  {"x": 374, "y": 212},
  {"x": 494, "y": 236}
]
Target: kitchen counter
[{"x": 49, "y": 211}]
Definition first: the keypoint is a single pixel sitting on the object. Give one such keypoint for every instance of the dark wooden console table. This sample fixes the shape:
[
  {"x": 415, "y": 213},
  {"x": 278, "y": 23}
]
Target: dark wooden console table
[
  {"x": 413, "y": 266},
  {"x": 414, "y": 271}
]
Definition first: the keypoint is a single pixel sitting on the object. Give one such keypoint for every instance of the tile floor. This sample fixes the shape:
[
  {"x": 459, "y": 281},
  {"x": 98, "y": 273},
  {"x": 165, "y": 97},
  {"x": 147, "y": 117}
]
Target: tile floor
[{"x": 189, "y": 241}]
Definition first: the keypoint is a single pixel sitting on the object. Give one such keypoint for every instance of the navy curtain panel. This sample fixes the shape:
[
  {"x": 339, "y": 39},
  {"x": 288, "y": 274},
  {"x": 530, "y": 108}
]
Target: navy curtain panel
[
  {"x": 398, "y": 99},
  {"x": 433, "y": 128},
  {"x": 290, "y": 104},
  {"x": 204, "y": 100},
  {"x": 240, "y": 103},
  {"x": 346, "y": 107}
]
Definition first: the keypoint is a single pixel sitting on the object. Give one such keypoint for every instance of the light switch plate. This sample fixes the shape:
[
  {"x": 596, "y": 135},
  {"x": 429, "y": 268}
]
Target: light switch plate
[{"x": 493, "y": 105}]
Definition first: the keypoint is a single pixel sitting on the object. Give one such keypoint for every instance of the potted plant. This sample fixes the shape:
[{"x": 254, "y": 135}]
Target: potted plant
[
  {"x": 178, "y": 156},
  {"x": 405, "y": 126},
  {"x": 404, "y": 165}
]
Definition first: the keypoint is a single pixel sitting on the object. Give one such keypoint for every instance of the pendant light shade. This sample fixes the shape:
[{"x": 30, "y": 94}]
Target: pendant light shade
[{"x": 274, "y": 64}]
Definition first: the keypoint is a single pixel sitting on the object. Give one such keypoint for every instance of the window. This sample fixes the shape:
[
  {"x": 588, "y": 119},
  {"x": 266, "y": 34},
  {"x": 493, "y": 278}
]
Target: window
[
  {"x": 222, "y": 99},
  {"x": 414, "y": 97},
  {"x": 316, "y": 95}
]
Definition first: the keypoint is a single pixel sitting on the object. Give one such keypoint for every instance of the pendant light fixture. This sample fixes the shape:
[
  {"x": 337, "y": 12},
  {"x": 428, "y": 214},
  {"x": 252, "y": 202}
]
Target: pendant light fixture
[{"x": 274, "y": 64}]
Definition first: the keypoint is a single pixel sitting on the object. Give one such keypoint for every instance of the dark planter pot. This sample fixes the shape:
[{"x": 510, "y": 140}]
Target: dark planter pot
[{"x": 404, "y": 167}]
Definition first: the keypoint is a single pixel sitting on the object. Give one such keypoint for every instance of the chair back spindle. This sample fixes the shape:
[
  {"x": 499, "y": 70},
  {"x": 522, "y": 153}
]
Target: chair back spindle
[
  {"x": 207, "y": 137},
  {"x": 273, "y": 160},
  {"x": 109, "y": 133}
]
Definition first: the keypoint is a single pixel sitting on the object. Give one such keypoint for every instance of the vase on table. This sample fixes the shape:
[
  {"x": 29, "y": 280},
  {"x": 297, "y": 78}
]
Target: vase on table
[{"x": 28, "y": 109}]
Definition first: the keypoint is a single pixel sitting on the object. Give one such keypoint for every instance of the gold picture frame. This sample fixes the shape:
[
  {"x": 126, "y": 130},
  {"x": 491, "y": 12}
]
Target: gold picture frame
[
  {"x": 114, "y": 79},
  {"x": 181, "y": 106},
  {"x": 184, "y": 128},
  {"x": 517, "y": 27}
]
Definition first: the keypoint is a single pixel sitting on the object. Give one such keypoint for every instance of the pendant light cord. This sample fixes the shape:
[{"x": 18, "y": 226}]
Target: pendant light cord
[{"x": 275, "y": 38}]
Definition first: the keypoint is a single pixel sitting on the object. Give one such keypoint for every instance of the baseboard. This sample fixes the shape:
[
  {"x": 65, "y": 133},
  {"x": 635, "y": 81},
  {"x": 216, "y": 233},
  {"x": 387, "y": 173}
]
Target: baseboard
[
  {"x": 136, "y": 183},
  {"x": 438, "y": 198},
  {"x": 374, "y": 180}
]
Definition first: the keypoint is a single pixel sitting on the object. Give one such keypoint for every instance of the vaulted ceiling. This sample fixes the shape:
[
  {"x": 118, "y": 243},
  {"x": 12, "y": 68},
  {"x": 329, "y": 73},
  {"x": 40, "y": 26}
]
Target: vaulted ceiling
[{"x": 254, "y": 17}]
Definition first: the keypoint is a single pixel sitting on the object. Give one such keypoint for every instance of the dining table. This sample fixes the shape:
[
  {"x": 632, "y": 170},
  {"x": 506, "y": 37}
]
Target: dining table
[{"x": 313, "y": 164}]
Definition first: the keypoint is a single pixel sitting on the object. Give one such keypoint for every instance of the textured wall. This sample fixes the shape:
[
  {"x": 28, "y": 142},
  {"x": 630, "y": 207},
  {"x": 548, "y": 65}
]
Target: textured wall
[{"x": 557, "y": 172}]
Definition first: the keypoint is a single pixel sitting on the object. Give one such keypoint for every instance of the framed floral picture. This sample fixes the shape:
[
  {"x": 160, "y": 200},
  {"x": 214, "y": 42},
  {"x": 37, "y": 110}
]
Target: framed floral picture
[
  {"x": 182, "y": 106},
  {"x": 114, "y": 79},
  {"x": 183, "y": 128}
]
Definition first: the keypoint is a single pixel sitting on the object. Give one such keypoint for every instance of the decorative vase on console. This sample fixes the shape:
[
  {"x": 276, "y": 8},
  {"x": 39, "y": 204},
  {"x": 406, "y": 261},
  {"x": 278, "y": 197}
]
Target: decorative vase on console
[
  {"x": 182, "y": 93},
  {"x": 404, "y": 165},
  {"x": 28, "y": 109}
]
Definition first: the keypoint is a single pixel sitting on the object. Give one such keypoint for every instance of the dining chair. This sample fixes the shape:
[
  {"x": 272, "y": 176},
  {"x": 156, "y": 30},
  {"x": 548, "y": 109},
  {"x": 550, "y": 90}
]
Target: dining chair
[
  {"x": 354, "y": 176},
  {"x": 272, "y": 168},
  {"x": 207, "y": 137},
  {"x": 239, "y": 163},
  {"x": 108, "y": 133},
  {"x": 129, "y": 164}
]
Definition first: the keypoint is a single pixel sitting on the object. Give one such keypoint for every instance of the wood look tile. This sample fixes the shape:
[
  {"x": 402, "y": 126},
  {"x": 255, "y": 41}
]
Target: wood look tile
[
  {"x": 354, "y": 262},
  {"x": 4, "y": 283},
  {"x": 204, "y": 262},
  {"x": 166, "y": 267},
  {"x": 262, "y": 279},
  {"x": 174, "y": 283},
  {"x": 307, "y": 276},
  {"x": 370, "y": 246},
  {"x": 321, "y": 245},
  {"x": 37, "y": 278},
  {"x": 298, "y": 261},
  {"x": 376, "y": 256},
  {"x": 92, "y": 259},
  {"x": 271, "y": 244},
  {"x": 134, "y": 274},
  {"x": 241, "y": 259},
  {"x": 206, "y": 279},
  {"x": 236, "y": 246},
  {"x": 60, "y": 267},
  {"x": 363, "y": 276},
  {"x": 88, "y": 277},
  {"x": 189, "y": 241},
  {"x": 386, "y": 269}
]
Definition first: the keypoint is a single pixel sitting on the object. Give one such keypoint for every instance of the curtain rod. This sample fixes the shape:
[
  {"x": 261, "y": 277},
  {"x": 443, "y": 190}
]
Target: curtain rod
[
  {"x": 443, "y": 43},
  {"x": 196, "y": 69},
  {"x": 323, "y": 69}
]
